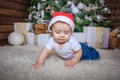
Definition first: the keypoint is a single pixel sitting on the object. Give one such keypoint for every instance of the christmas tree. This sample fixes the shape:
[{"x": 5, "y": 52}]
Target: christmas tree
[{"x": 86, "y": 12}]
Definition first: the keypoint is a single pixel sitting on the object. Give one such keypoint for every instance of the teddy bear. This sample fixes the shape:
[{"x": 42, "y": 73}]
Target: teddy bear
[
  {"x": 115, "y": 32},
  {"x": 115, "y": 38}
]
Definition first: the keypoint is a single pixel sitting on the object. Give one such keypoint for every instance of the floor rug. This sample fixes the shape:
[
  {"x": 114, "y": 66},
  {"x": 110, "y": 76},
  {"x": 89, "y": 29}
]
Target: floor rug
[{"x": 16, "y": 64}]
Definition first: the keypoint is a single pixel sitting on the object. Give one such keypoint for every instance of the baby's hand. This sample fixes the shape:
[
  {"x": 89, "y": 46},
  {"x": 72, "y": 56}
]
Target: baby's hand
[
  {"x": 37, "y": 65},
  {"x": 69, "y": 63}
]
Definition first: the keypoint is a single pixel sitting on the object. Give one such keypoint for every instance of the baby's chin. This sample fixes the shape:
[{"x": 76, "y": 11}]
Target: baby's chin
[{"x": 61, "y": 42}]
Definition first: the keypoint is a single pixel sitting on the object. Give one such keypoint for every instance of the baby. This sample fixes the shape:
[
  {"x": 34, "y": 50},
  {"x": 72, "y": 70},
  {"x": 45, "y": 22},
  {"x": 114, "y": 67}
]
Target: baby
[{"x": 61, "y": 26}]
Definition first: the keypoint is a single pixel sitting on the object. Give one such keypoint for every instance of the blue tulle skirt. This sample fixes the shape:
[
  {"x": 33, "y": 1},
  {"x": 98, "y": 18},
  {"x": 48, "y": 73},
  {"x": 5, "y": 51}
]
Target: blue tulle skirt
[{"x": 89, "y": 53}]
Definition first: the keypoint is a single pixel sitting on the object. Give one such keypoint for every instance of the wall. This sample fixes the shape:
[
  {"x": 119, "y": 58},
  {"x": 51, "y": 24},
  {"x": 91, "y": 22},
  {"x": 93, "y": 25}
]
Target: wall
[
  {"x": 11, "y": 11},
  {"x": 114, "y": 6}
]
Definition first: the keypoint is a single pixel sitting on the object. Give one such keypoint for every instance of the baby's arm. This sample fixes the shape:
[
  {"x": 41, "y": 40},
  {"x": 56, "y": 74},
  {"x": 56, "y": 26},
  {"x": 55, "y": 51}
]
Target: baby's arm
[
  {"x": 75, "y": 60},
  {"x": 77, "y": 56},
  {"x": 41, "y": 58}
]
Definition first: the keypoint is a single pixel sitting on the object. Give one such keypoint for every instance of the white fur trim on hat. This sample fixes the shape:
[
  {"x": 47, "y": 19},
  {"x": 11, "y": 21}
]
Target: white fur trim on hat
[{"x": 63, "y": 19}]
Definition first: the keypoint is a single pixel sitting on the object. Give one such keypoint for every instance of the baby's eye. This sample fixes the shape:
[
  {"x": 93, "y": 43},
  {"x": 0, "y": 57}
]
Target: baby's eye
[
  {"x": 57, "y": 32},
  {"x": 66, "y": 32}
]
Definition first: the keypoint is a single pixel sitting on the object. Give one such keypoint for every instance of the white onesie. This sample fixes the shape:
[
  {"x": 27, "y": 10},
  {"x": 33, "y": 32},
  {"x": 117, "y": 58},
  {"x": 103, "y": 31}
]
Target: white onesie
[{"x": 67, "y": 50}]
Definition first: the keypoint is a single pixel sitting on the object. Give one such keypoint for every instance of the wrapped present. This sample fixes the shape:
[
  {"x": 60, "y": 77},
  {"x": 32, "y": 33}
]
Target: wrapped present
[
  {"x": 97, "y": 37},
  {"x": 41, "y": 28},
  {"x": 90, "y": 35},
  {"x": 25, "y": 37},
  {"x": 23, "y": 27},
  {"x": 106, "y": 38},
  {"x": 42, "y": 39},
  {"x": 31, "y": 38},
  {"x": 79, "y": 36}
]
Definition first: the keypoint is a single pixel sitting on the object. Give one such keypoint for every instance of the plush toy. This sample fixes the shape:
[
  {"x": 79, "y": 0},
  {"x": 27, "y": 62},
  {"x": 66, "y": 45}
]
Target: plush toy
[
  {"x": 118, "y": 36},
  {"x": 16, "y": 38},
  {"x": 115, "y": 32},
  {"x": 115, "y": 38}
]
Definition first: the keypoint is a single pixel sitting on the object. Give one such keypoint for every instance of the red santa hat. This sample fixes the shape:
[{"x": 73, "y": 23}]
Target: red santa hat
[{"x": 64, "y": 17}]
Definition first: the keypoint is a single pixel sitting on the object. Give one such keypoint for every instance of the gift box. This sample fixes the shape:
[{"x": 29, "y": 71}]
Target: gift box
[
  {"x": 23, "y": 28},
  {"x": 40, "y": 28},
  {"x": 79, "y": 36},
  {"x": 42, "y": 39},
  {"x": 97, "y": 37},
  {"x": 37, "y": 39},
  {"x": 31, "y": 38}
]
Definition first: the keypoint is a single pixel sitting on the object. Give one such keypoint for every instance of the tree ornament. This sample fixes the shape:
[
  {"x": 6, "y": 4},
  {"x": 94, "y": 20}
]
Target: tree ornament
[
  {"x": 81, "y": 6},
  {"x": 56, "y": 2},
  {"x": 34, "y": 7},
  {"x": 43, "y": 0},
  {"x": 93, "y": 7},
  {"x": 38, "y": 6},
  {"x": 37, "y": 15},
  {"x": 78, "y": 19},
  {"x": 30, "y": 17},
  {"x": 105, "y": 9},
  {"x": 48, "y": 8},
  {"x": 52, "y": 11},
  {"x": 69, "y": 2},
  {"x": 102, "y": 2},
  {"x": 99, "y": 17},
  {"x": 88, "y": 18},
  {"x": 109, "y": 11},
  {"x": 88, "y": 9},
  {"x": 74, "y": 8},
  {"x": 42, "y": 14}
]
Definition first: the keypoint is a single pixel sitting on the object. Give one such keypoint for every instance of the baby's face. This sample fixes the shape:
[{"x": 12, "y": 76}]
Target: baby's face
[{"x": 61, "y": 32}]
